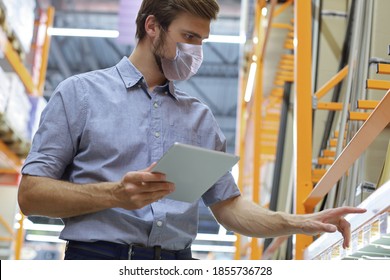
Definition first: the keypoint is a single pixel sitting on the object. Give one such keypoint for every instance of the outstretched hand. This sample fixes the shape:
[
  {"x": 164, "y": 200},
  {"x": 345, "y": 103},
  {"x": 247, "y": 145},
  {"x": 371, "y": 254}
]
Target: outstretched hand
[{"x": 331, "y": 220}]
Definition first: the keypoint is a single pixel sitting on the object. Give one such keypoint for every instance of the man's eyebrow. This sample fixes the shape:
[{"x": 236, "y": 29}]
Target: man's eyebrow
[{"x": 193, "y": 34}]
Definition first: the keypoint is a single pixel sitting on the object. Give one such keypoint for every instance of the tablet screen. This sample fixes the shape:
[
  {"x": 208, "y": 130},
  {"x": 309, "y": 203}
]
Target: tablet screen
[{"x": 193, "y": 169}]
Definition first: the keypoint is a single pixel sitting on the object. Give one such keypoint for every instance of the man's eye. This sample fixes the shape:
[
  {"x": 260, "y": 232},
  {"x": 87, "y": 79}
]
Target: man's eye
[{"x": 188, "y": 36}]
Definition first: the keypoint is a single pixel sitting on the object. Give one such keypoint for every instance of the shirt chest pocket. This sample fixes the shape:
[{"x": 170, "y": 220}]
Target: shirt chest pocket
[{"x": 184, "y": 135}]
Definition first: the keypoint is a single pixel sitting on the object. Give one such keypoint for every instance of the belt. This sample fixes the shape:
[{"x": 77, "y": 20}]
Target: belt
[{"x": 125, "y": 251}]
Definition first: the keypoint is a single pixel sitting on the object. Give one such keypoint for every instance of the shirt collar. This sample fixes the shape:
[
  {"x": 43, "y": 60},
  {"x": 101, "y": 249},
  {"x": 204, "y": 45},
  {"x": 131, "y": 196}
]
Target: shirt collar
[{"x": 131, "y": 76}]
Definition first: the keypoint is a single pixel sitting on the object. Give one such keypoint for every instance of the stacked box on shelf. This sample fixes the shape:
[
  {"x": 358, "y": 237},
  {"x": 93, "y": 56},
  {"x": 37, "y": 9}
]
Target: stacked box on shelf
[
  {"x": 20, "y": 17},
  {"x": 4, "y": 92},
  {"x": 5, "y": 132},
  {"x": 19, "y": 107},
  {"x": 14, "y": 125}
]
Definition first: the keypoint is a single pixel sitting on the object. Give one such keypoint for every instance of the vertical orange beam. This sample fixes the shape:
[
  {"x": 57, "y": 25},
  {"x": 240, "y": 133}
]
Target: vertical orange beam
[
  {"x": 302, "y": 114},
  {"x": 256, "y": 109},
  {"x": 19, "y": 238},
  {"x": 240, "y": 144},
  {"x": 257, "y": 102},
  {"x": 237, "y": 254},
  {"x": 45, "y": 50}
]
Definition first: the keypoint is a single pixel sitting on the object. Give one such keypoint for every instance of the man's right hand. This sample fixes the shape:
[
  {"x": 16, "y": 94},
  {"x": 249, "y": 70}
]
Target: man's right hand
[{"x": 140, "y": 188}]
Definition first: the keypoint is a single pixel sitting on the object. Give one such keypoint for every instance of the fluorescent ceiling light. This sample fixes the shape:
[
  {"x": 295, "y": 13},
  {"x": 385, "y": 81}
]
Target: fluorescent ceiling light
[
  {"x": 251, "y": 82},
  {"x": 104, "y": 33},
  {"x": 43, "y": 238},
  {"x": 42, "y": 227},
  {"x": 213, "y": 248},
  {"x": 228, "y": 39},
  {"x": 216, "y": 237},
  {"x": 79, "y": 32}
]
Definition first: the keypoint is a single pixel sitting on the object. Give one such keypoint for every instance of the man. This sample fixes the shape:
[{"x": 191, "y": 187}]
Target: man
[{"x": 99, "y": 128}]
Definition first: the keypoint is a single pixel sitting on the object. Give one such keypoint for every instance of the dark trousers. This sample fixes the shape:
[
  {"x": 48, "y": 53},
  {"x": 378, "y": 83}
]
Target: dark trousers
[{"x": 102, "y": 250}]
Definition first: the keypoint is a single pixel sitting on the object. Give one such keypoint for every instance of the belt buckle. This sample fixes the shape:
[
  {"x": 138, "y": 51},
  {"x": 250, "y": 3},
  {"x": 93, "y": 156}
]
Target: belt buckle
[
  {"x": 157, "y": 252},
  {"x": 131, "y": 253}
]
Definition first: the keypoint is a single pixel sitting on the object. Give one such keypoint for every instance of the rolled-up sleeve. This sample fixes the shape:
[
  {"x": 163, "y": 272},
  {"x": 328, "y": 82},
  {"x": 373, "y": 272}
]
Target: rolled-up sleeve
[
  {"x": 225, "y": 187},
  {"x": 56, "y": 140}
]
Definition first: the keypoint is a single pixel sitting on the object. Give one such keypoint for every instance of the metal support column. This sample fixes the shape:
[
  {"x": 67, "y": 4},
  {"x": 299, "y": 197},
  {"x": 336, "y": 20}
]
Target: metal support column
[
  {"x": 352, "y": 61},
  {"x": 257, "y": 101},
  {"x": 359, "y": 92},
  {"x": 279, "y": 152},
  {"x": 302, "y": 113}
]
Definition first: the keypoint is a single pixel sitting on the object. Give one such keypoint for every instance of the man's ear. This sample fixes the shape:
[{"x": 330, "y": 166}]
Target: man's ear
[{"x": 152, "y": 27}]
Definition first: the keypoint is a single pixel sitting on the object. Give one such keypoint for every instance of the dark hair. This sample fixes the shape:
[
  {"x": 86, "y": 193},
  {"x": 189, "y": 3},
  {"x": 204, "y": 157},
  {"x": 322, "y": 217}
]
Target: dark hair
[{"x": 166, "y": 11}]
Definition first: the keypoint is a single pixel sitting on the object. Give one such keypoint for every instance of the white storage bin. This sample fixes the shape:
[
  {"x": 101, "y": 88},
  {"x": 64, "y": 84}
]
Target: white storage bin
[
  {"x": 17, "y": 113},
  {"x": 20, "y": 17},
  {"x": 4, "y": 91}
]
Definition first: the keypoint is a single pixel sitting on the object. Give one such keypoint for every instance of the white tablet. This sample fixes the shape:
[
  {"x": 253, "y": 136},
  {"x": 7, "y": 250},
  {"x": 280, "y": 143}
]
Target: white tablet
[{"x": 193, "y": 169}]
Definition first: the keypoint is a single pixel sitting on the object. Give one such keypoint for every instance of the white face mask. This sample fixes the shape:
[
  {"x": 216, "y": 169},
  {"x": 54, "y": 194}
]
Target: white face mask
[{"x": 186, "y": 63}]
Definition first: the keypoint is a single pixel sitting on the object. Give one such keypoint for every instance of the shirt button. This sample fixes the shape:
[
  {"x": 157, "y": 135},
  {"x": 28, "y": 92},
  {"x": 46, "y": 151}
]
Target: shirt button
[
  {"x": 157, "y": 134},
  {"x": 159, "y": 223},
  {"x": 155, "y": 105}
]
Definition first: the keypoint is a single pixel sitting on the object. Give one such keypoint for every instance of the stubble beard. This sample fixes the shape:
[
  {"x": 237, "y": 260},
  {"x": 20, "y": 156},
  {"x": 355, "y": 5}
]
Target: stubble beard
[{"x": 158, "y": 50}]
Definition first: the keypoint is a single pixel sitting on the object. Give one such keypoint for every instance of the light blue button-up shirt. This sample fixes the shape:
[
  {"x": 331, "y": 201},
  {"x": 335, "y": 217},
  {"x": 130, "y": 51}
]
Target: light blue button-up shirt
[{"x": 100, "y": 125}]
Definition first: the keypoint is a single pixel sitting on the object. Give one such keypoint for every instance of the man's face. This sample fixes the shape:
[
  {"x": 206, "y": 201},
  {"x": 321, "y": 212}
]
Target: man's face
[{"x": 185, "y": 28}]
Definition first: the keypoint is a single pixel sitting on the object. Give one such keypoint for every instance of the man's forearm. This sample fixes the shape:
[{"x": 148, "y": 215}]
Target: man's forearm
[
  {"x": 54, "y": 198},
  {"x": 247, "y": 218}
]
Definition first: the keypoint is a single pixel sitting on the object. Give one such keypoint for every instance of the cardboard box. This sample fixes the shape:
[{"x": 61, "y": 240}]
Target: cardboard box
[
  {"x": 20, "y": 16},
  {"x": 18, "y": 108},
  {"x": 4, "y": 91}
]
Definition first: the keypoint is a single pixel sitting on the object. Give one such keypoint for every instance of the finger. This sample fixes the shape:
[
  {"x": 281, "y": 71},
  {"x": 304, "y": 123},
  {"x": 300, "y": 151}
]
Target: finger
[
  {"x": 342, "y": 211},
  {"x": 150, "y": 167},
  {"x": 142, "y": 176},
  {"x": 148, "y": 198},
  {"x": 345, "y": 230},
  {"x": 328, "y": 227},
  {"x": 160, "y": 195},
  {"x": 150, "y": 187},
  {"x": 136, "y": 196},
  {"x": 316, "y": 227}
]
